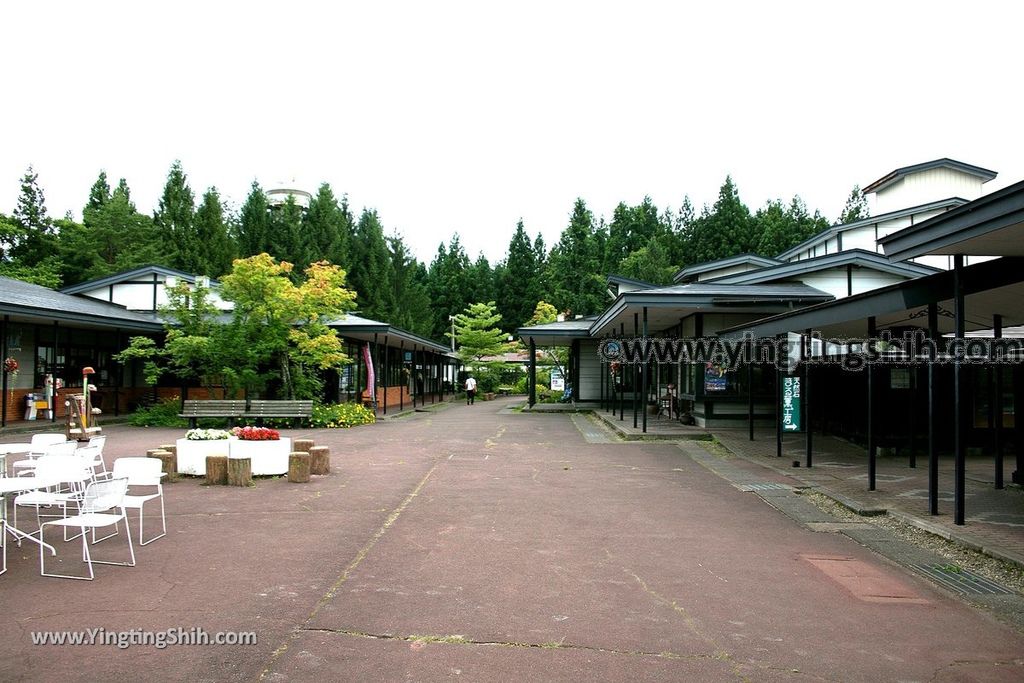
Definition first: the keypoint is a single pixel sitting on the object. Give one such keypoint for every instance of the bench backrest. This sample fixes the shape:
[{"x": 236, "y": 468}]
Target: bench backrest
[
  {"x": 261, "y": 407},
  {"x": 213, "y": 408}
]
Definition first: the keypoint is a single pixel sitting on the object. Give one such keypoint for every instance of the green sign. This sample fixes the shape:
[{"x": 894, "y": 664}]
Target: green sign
[{"x": 790, "y": 408}]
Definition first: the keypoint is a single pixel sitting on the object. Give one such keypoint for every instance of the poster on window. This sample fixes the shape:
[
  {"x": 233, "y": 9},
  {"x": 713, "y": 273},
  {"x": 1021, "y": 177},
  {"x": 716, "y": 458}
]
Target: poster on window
[{"x": 715, "y": 378}]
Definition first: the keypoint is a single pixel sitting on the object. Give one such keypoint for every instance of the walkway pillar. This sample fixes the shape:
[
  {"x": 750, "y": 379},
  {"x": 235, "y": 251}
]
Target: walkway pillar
[
  {"x": 933, "y": 456},
  {"x": 778, "y": 397},
  {"x": 806, "y": 402},
  {"x": 3, "y": 354},
  {"x": 959, "y": 440},
  {"x": 636, "y": 333},
  {"x": 872, "y": 450},
  {"x": 750, "y": 396},
  {"x": 405, "y": 384},
  {"x": 622, "y": 379},
  {"x": 996, "y": 404},
  {"x": 645, "y": 369},
  {"x": 532, "y": 380},
  {"x": 385, "y": 371}
]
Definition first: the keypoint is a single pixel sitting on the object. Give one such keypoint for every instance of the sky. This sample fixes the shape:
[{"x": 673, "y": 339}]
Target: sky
[{"x": 466, "y": 117}]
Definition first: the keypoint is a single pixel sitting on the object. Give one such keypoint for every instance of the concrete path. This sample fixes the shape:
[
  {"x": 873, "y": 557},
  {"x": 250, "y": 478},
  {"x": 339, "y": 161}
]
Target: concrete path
[{"x": 478, "y": 544}]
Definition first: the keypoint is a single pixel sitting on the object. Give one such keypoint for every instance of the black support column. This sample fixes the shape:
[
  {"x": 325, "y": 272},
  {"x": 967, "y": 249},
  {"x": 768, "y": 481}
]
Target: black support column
[
  {"x": 872, "y": 449},
  {"x": 959, "y": 402},
  {"x": 806, "y": 402},
  {"x": 532, "y": 381},
  {"x": 646, "y": 368},
  {"x": 996, "y": 404},
  {"x": 933, "y": 456}
]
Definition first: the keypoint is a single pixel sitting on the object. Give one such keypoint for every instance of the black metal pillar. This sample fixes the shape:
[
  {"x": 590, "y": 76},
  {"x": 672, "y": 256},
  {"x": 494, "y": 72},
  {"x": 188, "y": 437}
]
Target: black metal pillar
[
  {"x": 636, "y": 333},
  {"x": 933, "y": 456},
  {"x": 646, "y": 370},
  {"x": 402, "y": 389},
  {"x": 959, "y": 402},
  {"x": 56, "y": 352},
  {"x": 912, "y": 417},
  {"x": 622, "y": 379},
  {"x": 872, "y": 449},
  {"x": 806, "y": 402},
  {"x": 750, "y": 397},
  {"x": 532, "y": 380},
  {"x": 359, "y": 372},
  {"x": 996, "y": 404},
  {"x": 3, "y": 354},
  {"x": 375, "y": 360}
]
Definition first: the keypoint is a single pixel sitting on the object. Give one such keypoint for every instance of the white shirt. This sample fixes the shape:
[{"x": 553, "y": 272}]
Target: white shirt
[{"x": 470, "y": 384}]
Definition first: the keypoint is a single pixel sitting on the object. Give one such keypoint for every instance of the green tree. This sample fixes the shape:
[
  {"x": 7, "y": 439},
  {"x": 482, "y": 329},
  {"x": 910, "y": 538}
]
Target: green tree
[
  {"x": 632, "y": 228},
  {"x": 175, "y": 219},
  {"x": 576, "y": 285},
  {"x": 327, "y": 226},
  {"x": 409, "y": 290},
  {"x": 856, "y": 207},
  {"x": 782, "y": 227},
  {"x": 449, "y": 284},
  {"x": 254, "y": 223},
  {"x": 520, "y": 281},
  {"x": 31, "y": 242},
  {"x": 212, "y": 231},
  {"x": 371, "y": 275},
  {"x": 99, "y": 194},
  {"x": 286, "y": 239},
  {"x": 477, "y": 334},
  {"x": 726, "y": 229},
  {"x": 650, "y": 263}
]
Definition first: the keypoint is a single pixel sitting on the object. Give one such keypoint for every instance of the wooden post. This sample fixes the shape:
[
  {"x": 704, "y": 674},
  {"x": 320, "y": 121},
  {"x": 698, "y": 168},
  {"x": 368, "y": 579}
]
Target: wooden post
[
  {"x": 298, "y": 467},
  {"x": 239, "y": 472},
  {"x": 320, "y": 460},
  {"x": 170, "y": 448},
  {"x": 168, "y": 462},
  {"x": 303, "y": 445},
  {"x": 216, "y": 470}
]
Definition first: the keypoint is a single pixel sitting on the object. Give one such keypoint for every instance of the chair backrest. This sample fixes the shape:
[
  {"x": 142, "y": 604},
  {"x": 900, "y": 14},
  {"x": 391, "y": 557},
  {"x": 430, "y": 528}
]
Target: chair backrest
[
  {"x": 138, "y": 471},
  {"x": 63, "y": 448},
  {"x": 98, "y": 442},
  {"x": 62, "y": 469},
  {"x": 101, "y": 496},
  {"x": 41, "y": 440}
]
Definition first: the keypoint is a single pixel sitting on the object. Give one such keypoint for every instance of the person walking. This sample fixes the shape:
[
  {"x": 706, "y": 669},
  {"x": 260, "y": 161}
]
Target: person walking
[{"x": 470, "y": 390}]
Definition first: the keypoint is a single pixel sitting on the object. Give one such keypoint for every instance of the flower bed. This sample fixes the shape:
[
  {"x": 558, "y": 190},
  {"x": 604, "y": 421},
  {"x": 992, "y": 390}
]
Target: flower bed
[
  {"x": 192, "y": 452},
  {"x": 207, "y": 435},
  {"x": 267, "y": 456},
  {"x": 256, "y": 434}
]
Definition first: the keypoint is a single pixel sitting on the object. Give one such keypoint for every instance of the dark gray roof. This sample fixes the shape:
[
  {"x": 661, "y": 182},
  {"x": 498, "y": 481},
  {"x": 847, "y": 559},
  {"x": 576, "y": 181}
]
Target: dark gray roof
[
  {"x": 698, "y": 268},
  {"x": 990, "y": 287},
  {"x": 891, "y": 177},
  {"x": 358, "y": 327},
  {"x": 128, "y": 276},
  {"x": 992, "y": 225},
  {"x": 855, "y": 257},
  {"x": 22, "y": 299},
  {"x": 828, "y": 233},
  {"x": 621, "y": 279}
]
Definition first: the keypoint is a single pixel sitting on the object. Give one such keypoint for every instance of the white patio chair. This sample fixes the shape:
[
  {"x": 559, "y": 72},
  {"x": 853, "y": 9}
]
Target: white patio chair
[
  {"x": 102, "y": 506},
  {"x": 93, "y": 455},
  {"x": 142, "y": 472},
  {"x": 98, "y": 442},
  {"x": 41, "y": 445},
  {"x": 70, "y": 474}
]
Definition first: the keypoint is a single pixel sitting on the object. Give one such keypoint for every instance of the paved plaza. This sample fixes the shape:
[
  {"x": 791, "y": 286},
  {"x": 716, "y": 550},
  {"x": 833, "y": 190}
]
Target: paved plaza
[{"x": 478, "y": 543}]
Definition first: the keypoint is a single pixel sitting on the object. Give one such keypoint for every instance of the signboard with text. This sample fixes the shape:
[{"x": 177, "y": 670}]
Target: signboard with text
[{"x": 790, "y": 409}]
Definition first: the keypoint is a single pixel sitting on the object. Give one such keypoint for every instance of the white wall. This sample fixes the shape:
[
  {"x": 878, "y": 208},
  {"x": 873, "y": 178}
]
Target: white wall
[
  {"x": 927, "y": 186},
  {"x": 590, "y": 372},
  {"x": 731, "y": 270},
  {"x": 139, "y": 296}
]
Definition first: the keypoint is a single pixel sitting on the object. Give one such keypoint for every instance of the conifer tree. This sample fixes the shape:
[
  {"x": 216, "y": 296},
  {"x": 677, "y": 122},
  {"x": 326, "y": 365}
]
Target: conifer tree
[
  {"x": 856, "y": 207},
  {"x": 519, "y": 286},
  {"x": 175, "y": 217},
  {"x": 212, "y": 231},
  {"x": 254, "y": 223},
  {"x": 371, "y": 274},
  {"x": 574, "y": 264},
  {"x": 285, "y": 239},
  {"x": 328, "y": 227}
]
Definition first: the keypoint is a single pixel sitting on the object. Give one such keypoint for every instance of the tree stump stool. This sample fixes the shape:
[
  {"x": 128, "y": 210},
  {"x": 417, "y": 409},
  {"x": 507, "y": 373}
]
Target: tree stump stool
[
  {"x": 298, "y": 467},
  {"x": 320, "y": 460},
  {"x": 216, "y": 470},
  {"x": 168, "y": 462},
  {"x": 239, "y": 471},
  {"x": 302, "y": 445},
  {"x": 170, "y": 448}
]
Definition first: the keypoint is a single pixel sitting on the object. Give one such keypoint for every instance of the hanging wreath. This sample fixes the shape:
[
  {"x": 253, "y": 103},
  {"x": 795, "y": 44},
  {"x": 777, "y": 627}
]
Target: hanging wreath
[{"x": 10, "y": 365}]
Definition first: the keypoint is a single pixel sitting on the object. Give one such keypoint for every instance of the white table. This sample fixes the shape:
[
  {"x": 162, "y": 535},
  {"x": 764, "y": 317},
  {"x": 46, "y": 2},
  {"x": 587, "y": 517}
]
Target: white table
[{"x": 10, "y": 485}]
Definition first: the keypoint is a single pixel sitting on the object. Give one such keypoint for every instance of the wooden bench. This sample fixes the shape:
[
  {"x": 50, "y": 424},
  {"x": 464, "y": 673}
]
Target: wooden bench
[
  {"x": 195, "y": 409},
  {"x": 261, "y": 408}
]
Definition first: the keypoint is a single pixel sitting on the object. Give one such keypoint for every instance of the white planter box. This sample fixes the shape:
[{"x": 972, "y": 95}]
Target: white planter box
[
  {"x": 266, "y": 457},
  {"x": 192, "y": 454}
]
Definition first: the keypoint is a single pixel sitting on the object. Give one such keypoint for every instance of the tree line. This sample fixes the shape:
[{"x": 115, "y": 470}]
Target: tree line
[{"x": 202, "y": 236}]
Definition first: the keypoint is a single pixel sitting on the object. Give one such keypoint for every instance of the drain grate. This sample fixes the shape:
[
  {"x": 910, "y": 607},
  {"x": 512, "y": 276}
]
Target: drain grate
[
  {"x": 961, "y": 580},
  {"x": 764, "y": 486}
]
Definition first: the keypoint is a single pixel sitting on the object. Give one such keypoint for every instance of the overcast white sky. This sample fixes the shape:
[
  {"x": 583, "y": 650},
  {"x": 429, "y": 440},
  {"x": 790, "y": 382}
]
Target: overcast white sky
[{"x": 467, "y": 116}]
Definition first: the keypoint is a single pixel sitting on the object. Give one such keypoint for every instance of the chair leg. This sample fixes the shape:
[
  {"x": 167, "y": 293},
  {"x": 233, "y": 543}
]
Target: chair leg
[
  {"x": 3, "y": 544},
  {"x": 163, "y": 522}
]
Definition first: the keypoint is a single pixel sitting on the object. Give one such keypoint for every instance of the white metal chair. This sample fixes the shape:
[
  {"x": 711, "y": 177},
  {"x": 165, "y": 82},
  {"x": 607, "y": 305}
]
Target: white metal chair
[
  {"x": 102, "y": 506},
  {"x": 98, "y": 442},
  {"x": 94, "y": 457},
  {"x": 69, "y": 473},
  {"x": 41, "y": 444},
  {"x": 142, "y": 472}
]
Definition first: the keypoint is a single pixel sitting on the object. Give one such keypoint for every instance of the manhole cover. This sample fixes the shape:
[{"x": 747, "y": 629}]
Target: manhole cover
[{"x": 961, "y": 580}]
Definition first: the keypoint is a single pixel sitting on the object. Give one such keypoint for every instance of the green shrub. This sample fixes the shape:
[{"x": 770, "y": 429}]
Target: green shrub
[
  {"x": 341, "y": 415},
  {"x": 161, "y": 414}
]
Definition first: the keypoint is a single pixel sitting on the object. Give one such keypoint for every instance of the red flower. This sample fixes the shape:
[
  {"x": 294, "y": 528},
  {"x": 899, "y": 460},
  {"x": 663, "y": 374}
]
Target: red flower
[{"x": 256, "y": 434}]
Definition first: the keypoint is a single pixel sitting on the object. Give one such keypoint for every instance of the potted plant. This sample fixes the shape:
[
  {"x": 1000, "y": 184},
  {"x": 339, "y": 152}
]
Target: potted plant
[
  {"x": 199, "y": 443},
  {"x": 266, "y": 449}
]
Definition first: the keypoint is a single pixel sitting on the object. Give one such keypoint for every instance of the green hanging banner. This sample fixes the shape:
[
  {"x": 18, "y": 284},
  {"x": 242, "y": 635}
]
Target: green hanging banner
[{"x": 790, "y": 410}]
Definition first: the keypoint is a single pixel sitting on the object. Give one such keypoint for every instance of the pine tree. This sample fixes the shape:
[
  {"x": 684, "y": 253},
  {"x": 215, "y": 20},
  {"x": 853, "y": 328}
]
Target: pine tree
[
  {"x": 412, "y": 302},
  {"x": 856, "y": 207},
  {"x": 371, "y": 273},
  {"x": 285, "y": 240},
  {"x": 724, "y": 230},
  {"x": 449, "y": 284},
  {"x": 328, "y": 227},
  {"x": 174, "y": 217},
  {"x": 481, "y": 278},
  {"x": 99, "y": 194},
  {"x": 212, "y": 231},
  {"x": 254, "y": 223},
  {"x": 32, "y": 246},
  {"x": 519, "y": 285},
  {"x": 573, "y": 266}
]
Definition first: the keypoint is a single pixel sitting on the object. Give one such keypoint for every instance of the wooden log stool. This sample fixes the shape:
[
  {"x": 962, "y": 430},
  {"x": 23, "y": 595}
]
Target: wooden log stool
[
  {"x": 320, "y": 460},
  {"x": 170, "y": 448},
  {"x": 216, "y": 470},
  {"x": 302, "y": 445},
  {"x": 168, "y": 462},
  {"x": 239, "y": 472},
  {"x": 298, "y": 467}
]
